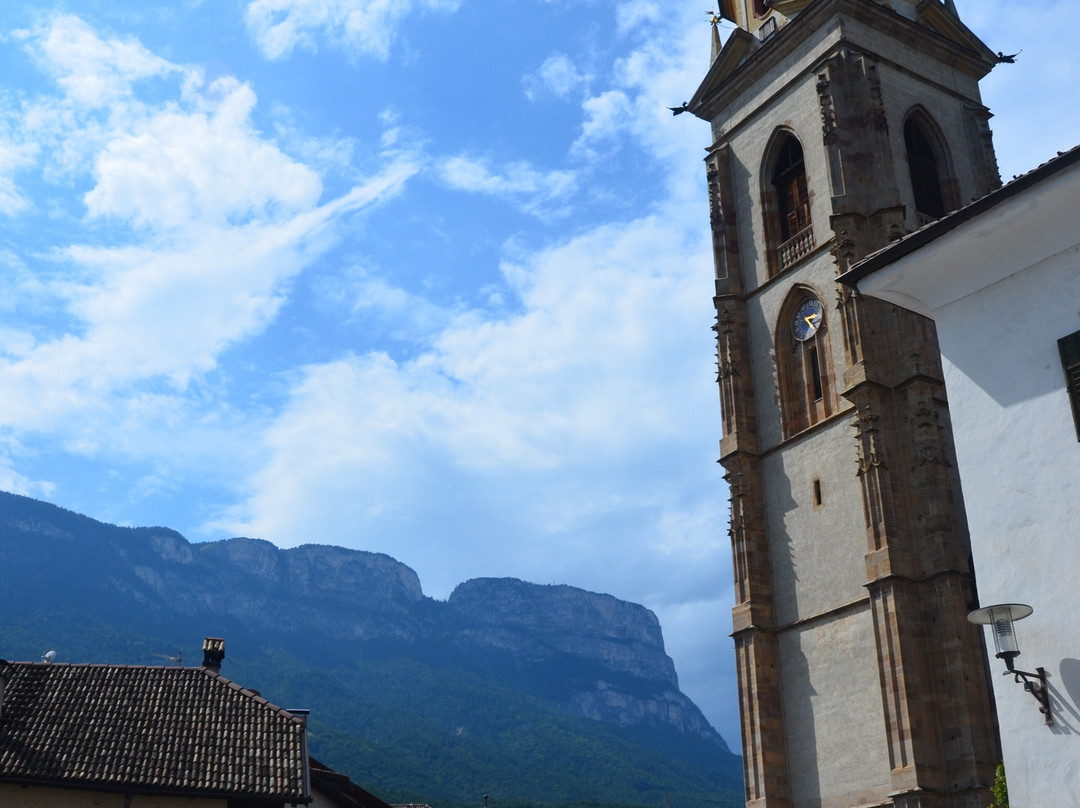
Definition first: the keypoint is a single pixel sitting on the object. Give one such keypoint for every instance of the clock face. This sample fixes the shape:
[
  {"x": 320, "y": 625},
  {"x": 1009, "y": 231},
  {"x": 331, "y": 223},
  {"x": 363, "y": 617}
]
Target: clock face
[{"x": 807, "y": 319}]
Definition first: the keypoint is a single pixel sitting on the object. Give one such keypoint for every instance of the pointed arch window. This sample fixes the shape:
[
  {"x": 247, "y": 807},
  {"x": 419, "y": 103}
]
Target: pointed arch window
[
  {"x": 787, "y": 205},
  {"x": 805, "y": 373},
  {"x": 928, "y": 168}
]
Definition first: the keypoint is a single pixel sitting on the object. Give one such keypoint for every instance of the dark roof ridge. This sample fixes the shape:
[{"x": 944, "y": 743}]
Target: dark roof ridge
[{"x": 254, "y": 694}]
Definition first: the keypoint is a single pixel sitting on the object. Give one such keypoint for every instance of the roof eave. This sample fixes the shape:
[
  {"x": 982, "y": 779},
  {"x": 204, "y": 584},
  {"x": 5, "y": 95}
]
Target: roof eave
[
  {"x": 735, "y": 51},
  {"x": 155, "y": 791},
  {"x": 924, "y": 235}
]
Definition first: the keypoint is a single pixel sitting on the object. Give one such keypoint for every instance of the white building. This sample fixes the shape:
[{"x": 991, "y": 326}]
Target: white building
[{"x": 1001, "y": 279}]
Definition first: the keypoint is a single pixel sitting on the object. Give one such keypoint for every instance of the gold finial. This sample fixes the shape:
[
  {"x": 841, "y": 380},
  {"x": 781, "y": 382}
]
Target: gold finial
[{"x": 715, "y": 18}]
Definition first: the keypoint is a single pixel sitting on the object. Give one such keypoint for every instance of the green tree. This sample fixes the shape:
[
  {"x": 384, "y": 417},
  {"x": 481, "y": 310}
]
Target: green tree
[{"x": 1000, "y": 789}]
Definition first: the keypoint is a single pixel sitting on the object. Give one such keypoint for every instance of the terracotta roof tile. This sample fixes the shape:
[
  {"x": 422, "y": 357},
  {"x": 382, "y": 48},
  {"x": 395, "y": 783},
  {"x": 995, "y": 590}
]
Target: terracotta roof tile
[{"x": 154, "y": 728}]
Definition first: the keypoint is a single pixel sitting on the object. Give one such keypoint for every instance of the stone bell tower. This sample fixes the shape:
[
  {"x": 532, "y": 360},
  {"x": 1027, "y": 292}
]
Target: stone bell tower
[{"x": 839, "y": 126}]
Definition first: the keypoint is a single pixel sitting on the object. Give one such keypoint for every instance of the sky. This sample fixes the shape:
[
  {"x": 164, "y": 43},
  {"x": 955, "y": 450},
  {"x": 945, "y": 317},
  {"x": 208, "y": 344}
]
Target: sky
[{"x": 430, "y": 278}]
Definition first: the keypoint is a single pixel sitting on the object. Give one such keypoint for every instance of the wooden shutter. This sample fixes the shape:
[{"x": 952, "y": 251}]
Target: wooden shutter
[{"x": 1070, "y": 362}]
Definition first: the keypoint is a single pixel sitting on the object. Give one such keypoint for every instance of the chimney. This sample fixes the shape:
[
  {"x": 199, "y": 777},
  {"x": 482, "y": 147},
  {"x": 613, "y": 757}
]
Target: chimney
[{"x": 213, "y": 650}]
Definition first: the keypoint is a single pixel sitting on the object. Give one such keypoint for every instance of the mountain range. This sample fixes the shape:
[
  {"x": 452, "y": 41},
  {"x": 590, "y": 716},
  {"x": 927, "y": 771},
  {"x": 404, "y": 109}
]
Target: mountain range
[{"x": 532, "y": 694}]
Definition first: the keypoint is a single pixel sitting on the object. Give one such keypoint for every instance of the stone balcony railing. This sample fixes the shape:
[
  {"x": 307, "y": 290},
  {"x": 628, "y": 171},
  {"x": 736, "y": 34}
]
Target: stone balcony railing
[{"x": 795, "y": 248}]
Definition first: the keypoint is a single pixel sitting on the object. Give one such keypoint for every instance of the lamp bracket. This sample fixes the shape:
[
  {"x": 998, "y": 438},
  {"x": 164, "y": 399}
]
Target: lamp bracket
[{"x": 1035, "y": 684}]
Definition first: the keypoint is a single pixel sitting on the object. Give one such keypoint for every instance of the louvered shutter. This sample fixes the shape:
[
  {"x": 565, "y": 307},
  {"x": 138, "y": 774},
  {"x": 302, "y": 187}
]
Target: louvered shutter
[{"x": 1070, "y": 361}]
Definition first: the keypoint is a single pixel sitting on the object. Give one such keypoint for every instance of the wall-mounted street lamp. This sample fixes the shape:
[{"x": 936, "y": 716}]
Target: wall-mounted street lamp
[{"x": 1000, "y": 618}]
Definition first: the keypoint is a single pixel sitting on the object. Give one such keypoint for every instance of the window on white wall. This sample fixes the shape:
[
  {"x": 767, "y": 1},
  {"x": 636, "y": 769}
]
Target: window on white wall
[{"x": 1070, "y": 362}]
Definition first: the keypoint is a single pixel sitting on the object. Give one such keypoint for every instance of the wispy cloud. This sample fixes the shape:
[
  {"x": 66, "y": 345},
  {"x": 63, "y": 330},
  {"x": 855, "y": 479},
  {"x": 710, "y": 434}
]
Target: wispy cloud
[
  {"x": 607, "y": 116},
  {"x": 93, "y": 71},
  {"x": 371, "y": 301},
  {"x": 10, "y": 479},
  {"x": 13, "y": 157},
  {"x": 357, "y": 27},
  {"x": 194, "y": 225},
  {"x": 539, "y": 193}
]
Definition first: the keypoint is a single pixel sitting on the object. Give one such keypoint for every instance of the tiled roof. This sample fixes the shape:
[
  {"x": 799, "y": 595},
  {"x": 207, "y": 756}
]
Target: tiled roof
[{"x": 147, "y": 729}]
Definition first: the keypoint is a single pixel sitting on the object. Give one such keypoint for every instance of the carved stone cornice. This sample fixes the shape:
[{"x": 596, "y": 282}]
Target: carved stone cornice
[{"x": 743, "y": 60}]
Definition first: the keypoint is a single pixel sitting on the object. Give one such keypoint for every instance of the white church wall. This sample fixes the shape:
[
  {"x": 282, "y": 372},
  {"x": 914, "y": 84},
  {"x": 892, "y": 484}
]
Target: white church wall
[{"x": 1019, "y": 462}]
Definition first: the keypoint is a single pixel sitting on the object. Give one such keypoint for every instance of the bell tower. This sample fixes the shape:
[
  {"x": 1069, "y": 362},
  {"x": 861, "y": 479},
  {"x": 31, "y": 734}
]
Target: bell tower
[{"x": 838, "y": 127}]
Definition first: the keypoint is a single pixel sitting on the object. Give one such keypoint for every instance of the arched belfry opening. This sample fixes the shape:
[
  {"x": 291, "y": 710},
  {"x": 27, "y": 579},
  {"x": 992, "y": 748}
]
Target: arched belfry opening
[
  {"x": 929, "y": 168},
  {"x": 788, "y": 229}
]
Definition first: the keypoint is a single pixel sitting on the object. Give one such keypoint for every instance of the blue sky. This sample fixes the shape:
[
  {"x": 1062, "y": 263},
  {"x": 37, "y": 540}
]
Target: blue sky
[{"x": 424, "y": 277}]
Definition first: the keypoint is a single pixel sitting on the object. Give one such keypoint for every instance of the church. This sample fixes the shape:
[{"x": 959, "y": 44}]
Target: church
[{"x": 839, "y": 127}]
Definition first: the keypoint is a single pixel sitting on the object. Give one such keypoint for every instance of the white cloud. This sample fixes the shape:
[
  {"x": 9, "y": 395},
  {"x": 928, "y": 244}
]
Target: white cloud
[
  {"x": 366, "y": 300},
  {"x": 636, "y": 16},
  {"x": 151, "y": 312},
  {"x": 94, "y": 72},
  {"x": 661, "y": 72},
  {"x": 180, "y": 167},
  {"x": 97, "y": 77},
  {"x": 224, "y": 219},
  {"x": 13, "y": 156},
  {"x": 15, "y": 483},
  {"x": 19, "y": 287},
  {"x": 557, "y": 76},
  {"x": 541, "y": 194},
  {"x": 327, "y": 153},
  {"x": 358, "y": 27},
  {"x": 607, "y": 116},
  {"x": 10, "y": 479},
  {"x": 99, "y": 81}
]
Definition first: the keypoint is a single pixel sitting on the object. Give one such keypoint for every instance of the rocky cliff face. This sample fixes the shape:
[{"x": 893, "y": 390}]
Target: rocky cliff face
[
  {"x": 611, "y": 651},
  {"x": 533, "y": 620},
  {"x": 592, "y": 654}
]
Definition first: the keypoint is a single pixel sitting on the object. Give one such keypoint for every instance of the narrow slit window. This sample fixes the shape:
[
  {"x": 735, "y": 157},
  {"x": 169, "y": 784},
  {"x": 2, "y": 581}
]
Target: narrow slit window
[
  {"x": 815, "y": 373},
  {"x": 818, "y": 501}
]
